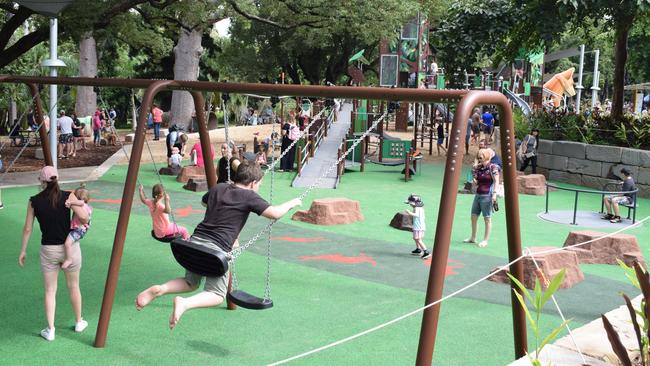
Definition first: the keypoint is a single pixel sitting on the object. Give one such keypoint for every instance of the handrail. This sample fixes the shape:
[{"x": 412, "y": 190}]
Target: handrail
[{"x": 590, "y": 191}]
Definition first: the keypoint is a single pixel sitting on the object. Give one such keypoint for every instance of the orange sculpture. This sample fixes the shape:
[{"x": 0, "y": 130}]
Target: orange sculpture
[{"x": 561, "y": 84}]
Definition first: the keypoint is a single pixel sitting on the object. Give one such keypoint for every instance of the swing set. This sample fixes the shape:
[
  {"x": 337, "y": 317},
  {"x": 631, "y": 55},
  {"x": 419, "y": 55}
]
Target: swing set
[{"x": 465, "y": 99}]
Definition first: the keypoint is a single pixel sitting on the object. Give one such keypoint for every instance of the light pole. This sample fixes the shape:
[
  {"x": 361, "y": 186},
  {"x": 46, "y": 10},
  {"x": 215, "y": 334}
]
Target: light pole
[
  {"x": 579, "y": 87},
  {"x": 595, "y": 88},
  {"x": 53, "y": 62}
]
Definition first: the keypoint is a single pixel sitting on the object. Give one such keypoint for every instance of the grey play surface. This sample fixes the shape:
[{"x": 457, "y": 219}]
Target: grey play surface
[{"x": 587, "y": 219}]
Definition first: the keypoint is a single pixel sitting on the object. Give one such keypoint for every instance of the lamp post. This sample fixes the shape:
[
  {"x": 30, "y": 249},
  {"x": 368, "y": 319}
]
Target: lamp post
[
  {"x": 595, "y": 88},
  {"x": 579, "y": 87},
  {"x": 53, "y": 62}
]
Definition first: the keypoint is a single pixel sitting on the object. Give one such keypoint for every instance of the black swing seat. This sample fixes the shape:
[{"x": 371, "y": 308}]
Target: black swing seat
[
  {"x": 248, "y": 301},
  {"x": 199, "y": 259},
  {"x": 165, "y": 239}
]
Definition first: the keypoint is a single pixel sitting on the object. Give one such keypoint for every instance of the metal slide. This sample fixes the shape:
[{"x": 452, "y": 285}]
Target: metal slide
[{"x": 518, "y": 101}]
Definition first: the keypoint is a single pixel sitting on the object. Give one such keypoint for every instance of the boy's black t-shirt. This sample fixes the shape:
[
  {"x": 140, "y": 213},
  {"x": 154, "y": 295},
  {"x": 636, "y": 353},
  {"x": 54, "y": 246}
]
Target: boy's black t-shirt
[
  {"x": 227, "y": 212},
  {"x": 54, "y": 221}
]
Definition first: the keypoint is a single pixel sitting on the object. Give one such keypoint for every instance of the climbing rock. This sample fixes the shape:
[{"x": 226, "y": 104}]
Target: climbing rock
[
  {"x": 196, "y": 185},
  {"x": 534, "y": 184},
  {"x": 170, "y": 170},
  {"x": 605, "y": 251},
  {"x": 402, "y": 221},
  {"x": 550, "y": 264},
  {"x": 330, "y": 211},
  {"x": 188, "y": 172}
]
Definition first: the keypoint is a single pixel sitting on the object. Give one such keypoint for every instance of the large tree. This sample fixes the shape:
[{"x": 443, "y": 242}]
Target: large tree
[{"x": 310, "y": 41}]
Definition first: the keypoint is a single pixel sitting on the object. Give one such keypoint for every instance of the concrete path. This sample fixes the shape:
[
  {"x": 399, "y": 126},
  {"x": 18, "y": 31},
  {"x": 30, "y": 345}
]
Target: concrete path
[{"x": 326, "y": 155}]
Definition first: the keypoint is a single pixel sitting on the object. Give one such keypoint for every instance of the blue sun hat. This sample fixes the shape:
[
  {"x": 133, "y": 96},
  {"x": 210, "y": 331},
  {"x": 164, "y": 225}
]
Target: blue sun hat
[{"x": 415, "y": 200}]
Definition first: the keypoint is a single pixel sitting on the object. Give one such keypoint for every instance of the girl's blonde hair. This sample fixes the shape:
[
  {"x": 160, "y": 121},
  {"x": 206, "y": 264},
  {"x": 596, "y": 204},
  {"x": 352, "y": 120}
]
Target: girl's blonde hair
[
  {"x": 157, "y": 191},
  {"x": 82, "y": 193},
  {"x": 484, "y": 154}
]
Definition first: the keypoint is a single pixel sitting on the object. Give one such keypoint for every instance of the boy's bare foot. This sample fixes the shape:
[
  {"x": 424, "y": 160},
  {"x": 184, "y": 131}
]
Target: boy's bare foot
[
  {"x": 66, "y": 263},
  {"x": 179, "y": 309},
  {"x": 146, "y": 296}
]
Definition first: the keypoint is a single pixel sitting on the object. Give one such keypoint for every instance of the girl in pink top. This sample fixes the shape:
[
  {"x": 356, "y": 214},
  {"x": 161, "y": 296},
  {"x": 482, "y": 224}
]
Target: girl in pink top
[
  {"x": 196, "y": 154},
  {"x": 97, "y": 126},
  {"x": 77, "y": 229},
  {"x": 159, "y": 209}
]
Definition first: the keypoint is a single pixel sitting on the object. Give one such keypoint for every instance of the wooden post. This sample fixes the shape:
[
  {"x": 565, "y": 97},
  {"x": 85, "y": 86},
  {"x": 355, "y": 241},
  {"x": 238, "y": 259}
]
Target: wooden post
[
  {"x": 364, "y": 148},
  {"x": 299, "y": 155},
  {"x": 407, "y": 167},
  {"x": 256, "y": 145},
  {"x": 312, "y": 142}
]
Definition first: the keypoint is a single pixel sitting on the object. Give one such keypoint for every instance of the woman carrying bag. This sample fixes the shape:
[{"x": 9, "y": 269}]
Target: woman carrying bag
[{"x": 528, "y": 151}]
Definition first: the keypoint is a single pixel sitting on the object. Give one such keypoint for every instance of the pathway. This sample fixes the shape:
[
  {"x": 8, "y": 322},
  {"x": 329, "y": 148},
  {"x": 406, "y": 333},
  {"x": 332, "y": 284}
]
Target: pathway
[{"x": 326, "y": 155}]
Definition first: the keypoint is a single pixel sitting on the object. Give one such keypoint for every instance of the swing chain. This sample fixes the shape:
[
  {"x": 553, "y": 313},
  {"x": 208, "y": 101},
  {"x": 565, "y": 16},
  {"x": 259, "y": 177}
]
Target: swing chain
[
  {"x": 237, "y": 252},
  {"x": 267, "y": 288}
]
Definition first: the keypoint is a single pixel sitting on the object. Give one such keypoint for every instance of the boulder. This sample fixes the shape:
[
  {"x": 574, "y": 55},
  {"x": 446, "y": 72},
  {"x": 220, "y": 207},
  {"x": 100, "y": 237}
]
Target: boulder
[
  {"x": 38, "y": 153},
  {"x": 534, "y": 184},
  {"x": 330, "y": 211},
  {"x": 607, "y": 250},
  {"x": 170, "y": 170},
  {"x": 402, "y": 221},
  {"x": 196, "y": 185},
  {"x": 190, "y": 171},
  {"x": 550, "y": 264}
]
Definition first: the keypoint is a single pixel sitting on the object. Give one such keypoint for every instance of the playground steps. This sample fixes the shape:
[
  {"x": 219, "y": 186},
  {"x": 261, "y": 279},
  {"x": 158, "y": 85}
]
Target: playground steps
[{"x": 326, "y": 155}]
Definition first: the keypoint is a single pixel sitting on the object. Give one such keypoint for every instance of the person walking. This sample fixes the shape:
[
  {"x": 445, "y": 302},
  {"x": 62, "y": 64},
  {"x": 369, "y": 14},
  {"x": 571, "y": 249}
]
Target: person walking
[
  {"x": 51, "y": 209},
  {"x": 157, "y": 121},
  {"x": 290, "y": 133}
]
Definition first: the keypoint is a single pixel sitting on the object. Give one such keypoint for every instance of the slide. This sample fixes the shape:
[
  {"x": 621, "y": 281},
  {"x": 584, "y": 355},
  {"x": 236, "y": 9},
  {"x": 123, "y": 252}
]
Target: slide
[{"x": 518, "y": 101}]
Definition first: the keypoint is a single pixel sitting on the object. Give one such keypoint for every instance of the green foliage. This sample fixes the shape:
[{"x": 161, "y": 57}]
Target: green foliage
[
  {"x": 537, "y": 300},
  {"x": 638, "y": 276}
]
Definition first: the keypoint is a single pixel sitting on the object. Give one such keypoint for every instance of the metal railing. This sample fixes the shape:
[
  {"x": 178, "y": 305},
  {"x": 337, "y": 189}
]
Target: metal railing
[
  {"x": 591, "y": 191},
  {"x": 313, "y": 141}
]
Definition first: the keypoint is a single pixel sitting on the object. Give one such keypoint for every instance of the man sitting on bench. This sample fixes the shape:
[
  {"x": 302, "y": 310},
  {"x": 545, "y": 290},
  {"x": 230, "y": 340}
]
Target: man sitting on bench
[{"x": 613, "y": 201}]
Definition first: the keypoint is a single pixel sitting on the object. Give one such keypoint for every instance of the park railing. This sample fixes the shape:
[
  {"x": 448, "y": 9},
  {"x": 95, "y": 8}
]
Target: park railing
[
  {"x": 312, "y": 141},
  {"x": 631, "y": 207}
]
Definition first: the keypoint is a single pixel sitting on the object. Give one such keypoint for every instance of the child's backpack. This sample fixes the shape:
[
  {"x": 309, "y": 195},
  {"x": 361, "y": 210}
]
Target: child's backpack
[{"x": 294, "y": 133}]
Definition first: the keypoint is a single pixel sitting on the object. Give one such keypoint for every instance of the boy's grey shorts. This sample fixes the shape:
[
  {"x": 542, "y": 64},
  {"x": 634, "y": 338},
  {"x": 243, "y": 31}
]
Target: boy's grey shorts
[{"x": 216, "y": 285}]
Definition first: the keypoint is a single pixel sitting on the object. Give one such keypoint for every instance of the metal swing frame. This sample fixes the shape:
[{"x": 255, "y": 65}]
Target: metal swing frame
[{"x": 466, "y": 100}]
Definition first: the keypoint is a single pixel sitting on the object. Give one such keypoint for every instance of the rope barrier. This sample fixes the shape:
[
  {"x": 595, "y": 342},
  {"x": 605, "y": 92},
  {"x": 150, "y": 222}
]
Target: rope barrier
[{"x": 444, "y": 298}]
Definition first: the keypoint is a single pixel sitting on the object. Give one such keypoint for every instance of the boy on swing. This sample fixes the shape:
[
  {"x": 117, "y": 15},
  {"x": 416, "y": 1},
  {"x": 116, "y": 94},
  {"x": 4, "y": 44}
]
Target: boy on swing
[{"x": 228, "y": 207}]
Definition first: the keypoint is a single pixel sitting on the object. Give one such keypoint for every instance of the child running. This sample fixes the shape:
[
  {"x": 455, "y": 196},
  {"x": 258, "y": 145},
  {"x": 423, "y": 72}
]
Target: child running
[
  {"x": 228, "y": 208},
  {"x": 419, "y": 226},
  {"x": 159, "y": 208},
  {"x": 77, "y": 229}
]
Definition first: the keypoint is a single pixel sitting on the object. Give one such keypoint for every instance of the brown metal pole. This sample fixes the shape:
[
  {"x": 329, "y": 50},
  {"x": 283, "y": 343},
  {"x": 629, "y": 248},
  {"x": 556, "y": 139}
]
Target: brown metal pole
[
  {"x": 446, "y": 212},
  {"x": 407, "y": 167},
  {"x": 125, "y": 211},
  {"x": 204, "y": 137},
  {"x": 42, "y": 131}
]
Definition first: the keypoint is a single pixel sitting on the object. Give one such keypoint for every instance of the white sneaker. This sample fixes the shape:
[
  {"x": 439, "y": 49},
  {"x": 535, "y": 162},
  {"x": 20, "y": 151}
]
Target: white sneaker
[
  {"x": 80, "y": 326},
  {"x": 469, "y": 240},
  {"x": 483, "y": 244},
  {"x": 48, "y": 334}
]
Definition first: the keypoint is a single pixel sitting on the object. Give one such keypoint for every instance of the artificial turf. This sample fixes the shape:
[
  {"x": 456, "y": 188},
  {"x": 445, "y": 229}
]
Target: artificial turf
[{"x": 316, "y": 301}]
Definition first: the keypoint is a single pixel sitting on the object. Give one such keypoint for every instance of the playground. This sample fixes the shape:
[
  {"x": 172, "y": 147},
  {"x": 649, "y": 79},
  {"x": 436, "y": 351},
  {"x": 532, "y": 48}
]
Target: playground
[{"x": 328, "y": 283}]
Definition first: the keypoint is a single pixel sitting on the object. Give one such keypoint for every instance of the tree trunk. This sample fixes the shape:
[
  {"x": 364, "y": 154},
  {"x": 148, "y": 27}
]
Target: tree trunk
[
  {"x": 86, "y": 102},
  {"x": 13, "y": 111},
  {"x": 620, "y": 58},
  {"x": 186, "y": 67}
]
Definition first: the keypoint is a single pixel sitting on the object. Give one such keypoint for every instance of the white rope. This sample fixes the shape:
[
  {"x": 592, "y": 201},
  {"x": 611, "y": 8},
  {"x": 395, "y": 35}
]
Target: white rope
[
  {"x": 504, "y": 267},
  {"x": 557, "y": 306}
]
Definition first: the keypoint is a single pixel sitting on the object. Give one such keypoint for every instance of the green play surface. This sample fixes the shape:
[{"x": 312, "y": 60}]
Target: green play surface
[{"x": 327, "y": 283}]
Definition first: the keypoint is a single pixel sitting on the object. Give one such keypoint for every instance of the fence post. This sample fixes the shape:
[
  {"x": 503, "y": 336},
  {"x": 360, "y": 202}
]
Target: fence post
[
  {"x": 407, "y": 168},
  {"x": 362, "y": 158},
  {"x": 299, "y": 153},
  {"x": 311, "y": 146},
  {"x": 338, "y": 166}
]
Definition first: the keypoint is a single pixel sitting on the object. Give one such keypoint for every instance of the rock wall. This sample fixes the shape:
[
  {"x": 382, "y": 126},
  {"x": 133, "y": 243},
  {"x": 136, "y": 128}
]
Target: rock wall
[{"x": 592, "y": 165}]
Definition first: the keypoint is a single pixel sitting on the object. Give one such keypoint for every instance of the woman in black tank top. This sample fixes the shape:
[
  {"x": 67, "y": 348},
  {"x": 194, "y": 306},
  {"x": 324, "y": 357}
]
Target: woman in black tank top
[{"x": 49, "y": 209}]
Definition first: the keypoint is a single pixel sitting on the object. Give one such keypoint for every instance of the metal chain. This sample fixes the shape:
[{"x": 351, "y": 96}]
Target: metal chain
[
  {"x": 237, "y": 252},
  {"x": 294, "y": 142},
  {"x": 225, "y": 125},
  {"x": 267, "y": 288}
]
